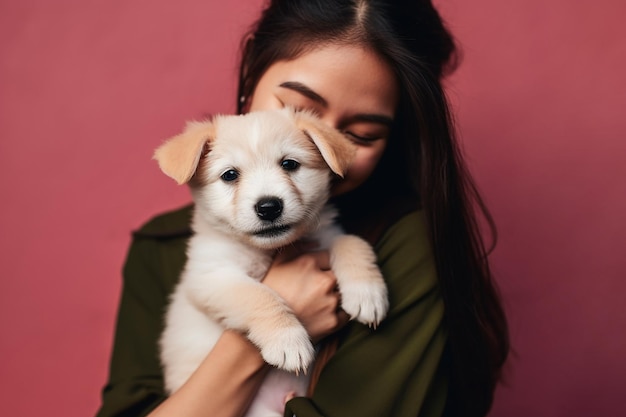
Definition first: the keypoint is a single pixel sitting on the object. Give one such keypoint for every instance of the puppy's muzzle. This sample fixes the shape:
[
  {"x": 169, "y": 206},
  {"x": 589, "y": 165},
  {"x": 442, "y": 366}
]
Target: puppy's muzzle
[{"x": 269, "y": 208}]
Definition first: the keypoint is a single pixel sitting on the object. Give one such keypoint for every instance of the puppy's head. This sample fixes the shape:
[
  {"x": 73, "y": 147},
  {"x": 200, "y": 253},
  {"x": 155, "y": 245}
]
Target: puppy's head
[{"x": 262, "y": 177}]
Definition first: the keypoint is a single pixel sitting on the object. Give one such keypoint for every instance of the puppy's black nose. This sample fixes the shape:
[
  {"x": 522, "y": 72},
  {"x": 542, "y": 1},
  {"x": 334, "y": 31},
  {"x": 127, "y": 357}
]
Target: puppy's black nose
[{"x": 269, "y": 208}]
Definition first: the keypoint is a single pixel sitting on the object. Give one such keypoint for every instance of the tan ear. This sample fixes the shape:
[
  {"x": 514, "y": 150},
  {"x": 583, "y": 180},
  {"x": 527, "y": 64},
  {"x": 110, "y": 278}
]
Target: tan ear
[
  {"x": 337, "y": 150},
  {"x": 179, "y": 156}
]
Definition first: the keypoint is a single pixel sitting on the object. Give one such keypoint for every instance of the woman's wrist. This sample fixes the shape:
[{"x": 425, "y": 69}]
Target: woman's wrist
[
  {"x": 239, "y": 347},
  {"x": 224, "y": 384}
]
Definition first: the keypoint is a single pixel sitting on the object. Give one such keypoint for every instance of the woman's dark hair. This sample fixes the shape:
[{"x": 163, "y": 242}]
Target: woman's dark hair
[{"x": 422, "y": 162}]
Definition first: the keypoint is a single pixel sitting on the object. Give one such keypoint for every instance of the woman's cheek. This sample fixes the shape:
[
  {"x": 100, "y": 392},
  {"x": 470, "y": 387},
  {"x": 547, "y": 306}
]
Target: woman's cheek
[{"x": 363, "y": 165}]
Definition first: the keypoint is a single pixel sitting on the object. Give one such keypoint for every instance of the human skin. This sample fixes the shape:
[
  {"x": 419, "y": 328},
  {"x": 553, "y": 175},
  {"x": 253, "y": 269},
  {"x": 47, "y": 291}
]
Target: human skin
[
  {"x": 349, "y": 87},
  {"x": 353, "y": 90}
]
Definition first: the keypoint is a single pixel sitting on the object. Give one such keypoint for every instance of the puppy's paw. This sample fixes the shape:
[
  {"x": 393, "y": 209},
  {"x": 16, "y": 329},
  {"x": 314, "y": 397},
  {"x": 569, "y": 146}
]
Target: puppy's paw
[
  {"x": 365, "y": 301},
  {"x": 362, "y": 287},
  {"x": 290, "y": 349}
]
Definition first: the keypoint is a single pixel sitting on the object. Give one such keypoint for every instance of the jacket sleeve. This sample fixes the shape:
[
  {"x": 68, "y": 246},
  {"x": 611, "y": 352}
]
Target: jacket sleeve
[
  {"x": 397, "y": 369},
  {"x": 135, "y": 384}
]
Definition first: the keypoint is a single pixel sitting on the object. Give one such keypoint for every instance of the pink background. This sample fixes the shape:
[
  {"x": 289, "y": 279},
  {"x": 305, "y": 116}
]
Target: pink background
[{"x": 89, "y": 88}]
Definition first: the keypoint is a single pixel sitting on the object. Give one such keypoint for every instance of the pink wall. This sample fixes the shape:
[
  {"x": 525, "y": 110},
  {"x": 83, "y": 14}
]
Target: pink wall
[
  {"x": 88, "y": 89},
  {"x": 541, "y": 102}
]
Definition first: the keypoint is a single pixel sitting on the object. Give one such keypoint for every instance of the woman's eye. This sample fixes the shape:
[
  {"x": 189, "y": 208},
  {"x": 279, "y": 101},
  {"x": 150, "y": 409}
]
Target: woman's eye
[
  {"x": 230, "y": 175},
  {"x": 289, "y": 165},
  {"x": 363, "y": 139}
]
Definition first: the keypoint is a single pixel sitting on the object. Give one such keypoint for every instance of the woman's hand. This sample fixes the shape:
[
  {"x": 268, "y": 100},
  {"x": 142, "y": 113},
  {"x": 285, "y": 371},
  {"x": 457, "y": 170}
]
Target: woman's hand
[{"x": 306, "y": 283}]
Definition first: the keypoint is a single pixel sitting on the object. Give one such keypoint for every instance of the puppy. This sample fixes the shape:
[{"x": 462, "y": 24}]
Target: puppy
[{"x": 259, "y": 181}]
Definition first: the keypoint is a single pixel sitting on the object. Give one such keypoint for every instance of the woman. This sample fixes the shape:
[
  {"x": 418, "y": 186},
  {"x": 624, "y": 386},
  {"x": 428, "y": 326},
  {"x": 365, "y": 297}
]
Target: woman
[{"x": 373, "y": 70}]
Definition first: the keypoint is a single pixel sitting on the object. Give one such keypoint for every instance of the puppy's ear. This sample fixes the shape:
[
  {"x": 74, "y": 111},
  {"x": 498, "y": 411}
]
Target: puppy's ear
[
  {"x": 179, "y": 156},
  {"x": 337, "y": 150}
]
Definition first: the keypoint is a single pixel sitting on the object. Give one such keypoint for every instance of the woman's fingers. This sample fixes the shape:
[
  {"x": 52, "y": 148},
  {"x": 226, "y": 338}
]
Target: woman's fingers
[{"x": 309, "y": 287}]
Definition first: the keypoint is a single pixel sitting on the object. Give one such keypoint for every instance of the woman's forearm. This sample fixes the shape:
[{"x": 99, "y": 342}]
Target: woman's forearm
[
  {"x": 224, "y": 383},
  {"x": 230, "y": 376}
]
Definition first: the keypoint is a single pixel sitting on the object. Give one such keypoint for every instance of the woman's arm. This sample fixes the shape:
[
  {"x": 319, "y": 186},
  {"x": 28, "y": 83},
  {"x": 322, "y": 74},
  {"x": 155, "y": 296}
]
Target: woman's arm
[
  {"x": 223, "y": 385},
  {"x": 229, "y": 377},
  {"x": 232, "y": 373}
]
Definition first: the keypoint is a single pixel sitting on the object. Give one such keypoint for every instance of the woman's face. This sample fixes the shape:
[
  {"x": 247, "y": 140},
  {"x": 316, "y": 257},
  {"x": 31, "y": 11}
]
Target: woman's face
[{"x": 349, "y": 87}]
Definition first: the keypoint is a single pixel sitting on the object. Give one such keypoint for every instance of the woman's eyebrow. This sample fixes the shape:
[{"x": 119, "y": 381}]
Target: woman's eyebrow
[{"x": 305, "y": 91}]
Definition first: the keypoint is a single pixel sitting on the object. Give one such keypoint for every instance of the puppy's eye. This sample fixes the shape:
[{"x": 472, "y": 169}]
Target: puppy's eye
[
  {"x": 289, "y": 165},
  {"x": 230, "y": 175}
]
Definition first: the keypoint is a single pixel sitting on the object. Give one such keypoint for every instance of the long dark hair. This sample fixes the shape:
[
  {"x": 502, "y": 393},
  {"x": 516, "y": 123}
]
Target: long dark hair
[{"x": 422, "y": 162}]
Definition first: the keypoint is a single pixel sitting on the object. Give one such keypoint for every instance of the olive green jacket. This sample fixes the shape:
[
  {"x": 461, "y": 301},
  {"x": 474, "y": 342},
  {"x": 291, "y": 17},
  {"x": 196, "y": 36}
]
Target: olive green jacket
[{"x": 396, "y": 370}]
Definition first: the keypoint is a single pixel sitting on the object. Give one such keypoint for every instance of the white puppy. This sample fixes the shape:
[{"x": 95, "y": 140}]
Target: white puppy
[{"x": 260, "y": 181}]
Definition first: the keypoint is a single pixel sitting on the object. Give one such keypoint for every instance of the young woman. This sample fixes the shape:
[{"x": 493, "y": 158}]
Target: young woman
[{"x": 373, "y": 70}]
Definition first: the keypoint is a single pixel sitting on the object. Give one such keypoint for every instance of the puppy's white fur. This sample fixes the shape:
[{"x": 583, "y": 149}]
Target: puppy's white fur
[{"x": 233, "y": 245}]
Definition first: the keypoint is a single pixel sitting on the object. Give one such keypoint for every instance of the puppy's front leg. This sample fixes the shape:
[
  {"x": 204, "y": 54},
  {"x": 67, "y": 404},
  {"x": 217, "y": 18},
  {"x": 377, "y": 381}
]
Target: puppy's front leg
[
  {"x": 253, "y": 308},
  {"x": 362, "y": 287}
]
